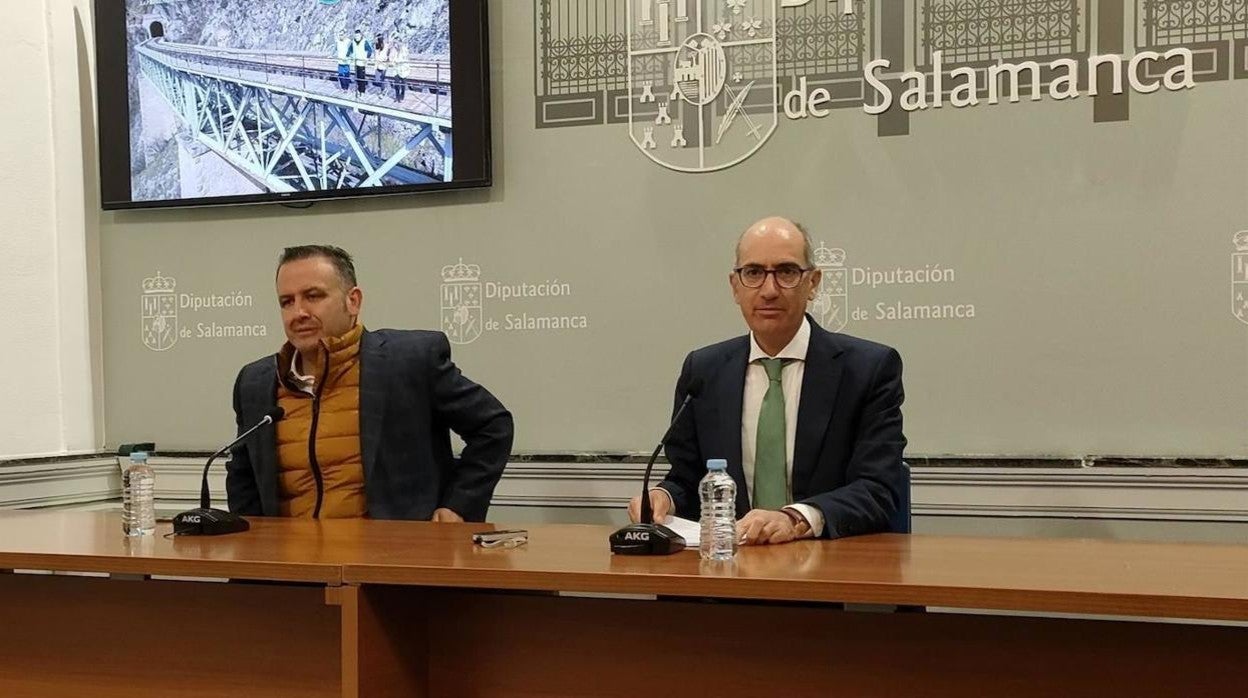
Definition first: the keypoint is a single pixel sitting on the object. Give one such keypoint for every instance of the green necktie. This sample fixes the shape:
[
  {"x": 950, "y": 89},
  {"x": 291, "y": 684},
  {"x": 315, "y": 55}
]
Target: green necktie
[{"x": 771, "y": 477}]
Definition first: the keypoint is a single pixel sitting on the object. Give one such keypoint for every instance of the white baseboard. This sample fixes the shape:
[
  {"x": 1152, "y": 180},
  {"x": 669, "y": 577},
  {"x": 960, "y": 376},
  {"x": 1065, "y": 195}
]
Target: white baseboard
[
  {"x": 1104, "y": 492},
  {"x": 1153, "y": 493},
  {"x": 58, "y": 483},
  {"x": 1097, "y": 492}
]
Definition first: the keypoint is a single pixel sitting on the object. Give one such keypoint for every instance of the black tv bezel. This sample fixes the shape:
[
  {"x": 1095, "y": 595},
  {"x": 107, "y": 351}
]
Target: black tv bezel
[{"x": 470, "y": 65}]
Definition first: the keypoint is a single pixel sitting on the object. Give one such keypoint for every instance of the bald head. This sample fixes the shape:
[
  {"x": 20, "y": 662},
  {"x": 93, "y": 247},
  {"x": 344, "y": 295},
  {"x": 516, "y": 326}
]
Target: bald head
[
  {"x": 777, "y": 229},
  {"x": 774, "y": 279}
]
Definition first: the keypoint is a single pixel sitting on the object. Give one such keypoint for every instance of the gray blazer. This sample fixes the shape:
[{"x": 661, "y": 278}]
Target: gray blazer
[{"x": 411, "y": 397}]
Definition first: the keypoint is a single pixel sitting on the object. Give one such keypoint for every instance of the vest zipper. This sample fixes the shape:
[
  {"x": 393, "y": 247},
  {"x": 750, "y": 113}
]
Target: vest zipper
[{"x": 316, "y": 414}]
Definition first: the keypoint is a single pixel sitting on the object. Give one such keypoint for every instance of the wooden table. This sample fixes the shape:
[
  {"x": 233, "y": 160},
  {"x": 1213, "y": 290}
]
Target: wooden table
[{"x": 378, "y": 608}]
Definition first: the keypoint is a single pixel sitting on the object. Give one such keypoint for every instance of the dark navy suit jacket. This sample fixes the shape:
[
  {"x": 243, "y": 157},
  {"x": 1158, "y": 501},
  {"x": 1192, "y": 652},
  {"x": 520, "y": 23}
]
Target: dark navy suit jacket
[
  {"x": 411, "y": 396},
  {"x": 848, "y": 446}
]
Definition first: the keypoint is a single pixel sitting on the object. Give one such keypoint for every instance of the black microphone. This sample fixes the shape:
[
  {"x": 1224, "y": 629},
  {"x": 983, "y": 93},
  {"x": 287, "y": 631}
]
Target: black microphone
[
  {"x": 646, "y": 537},
  {"x": 206, "y": 521}
]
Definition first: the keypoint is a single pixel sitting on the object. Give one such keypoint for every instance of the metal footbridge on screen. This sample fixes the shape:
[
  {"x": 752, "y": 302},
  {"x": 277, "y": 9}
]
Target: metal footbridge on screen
[{"x": 290, "y": 122}]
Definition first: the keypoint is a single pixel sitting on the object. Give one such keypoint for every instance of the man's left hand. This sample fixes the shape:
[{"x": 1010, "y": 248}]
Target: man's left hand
[
  {"x": 445, "y": 515},
  {"x": 764, "y": 527}
]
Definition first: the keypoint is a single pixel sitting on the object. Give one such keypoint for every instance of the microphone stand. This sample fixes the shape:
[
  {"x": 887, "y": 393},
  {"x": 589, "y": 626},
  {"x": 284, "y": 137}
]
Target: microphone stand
[
  {"x": 646, "y": 537},
  {"x": 206, "y": 521}
]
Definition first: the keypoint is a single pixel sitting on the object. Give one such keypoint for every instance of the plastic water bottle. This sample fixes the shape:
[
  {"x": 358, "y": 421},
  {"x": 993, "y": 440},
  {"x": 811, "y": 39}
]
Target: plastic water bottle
[
  {"x": 138, "y": 497},
  {"x": 718, "y": 539}
]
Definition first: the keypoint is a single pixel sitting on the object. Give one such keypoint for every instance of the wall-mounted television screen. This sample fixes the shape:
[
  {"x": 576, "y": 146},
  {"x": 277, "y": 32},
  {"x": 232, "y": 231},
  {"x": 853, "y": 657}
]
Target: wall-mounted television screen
[{"x": 244, "y": 101}]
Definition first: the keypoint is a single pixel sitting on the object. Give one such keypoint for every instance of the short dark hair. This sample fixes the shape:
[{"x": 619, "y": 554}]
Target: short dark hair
[{"x": 340, "y": 258}]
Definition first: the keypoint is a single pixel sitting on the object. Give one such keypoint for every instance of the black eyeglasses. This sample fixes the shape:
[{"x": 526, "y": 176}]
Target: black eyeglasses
[{"x": 787, "y": 275}]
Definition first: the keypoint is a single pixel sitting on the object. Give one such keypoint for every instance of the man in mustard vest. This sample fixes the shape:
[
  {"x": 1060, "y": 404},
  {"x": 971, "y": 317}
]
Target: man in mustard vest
[{"x": 368, "y": 414}]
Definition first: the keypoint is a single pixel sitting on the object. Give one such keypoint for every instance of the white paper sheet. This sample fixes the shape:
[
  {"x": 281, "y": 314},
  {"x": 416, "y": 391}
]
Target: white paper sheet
[{"x": 691, "y": 531}]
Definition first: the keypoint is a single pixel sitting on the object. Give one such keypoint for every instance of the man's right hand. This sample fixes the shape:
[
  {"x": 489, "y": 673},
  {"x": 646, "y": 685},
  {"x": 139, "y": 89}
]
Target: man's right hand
[{"x": 660, "y": 501}]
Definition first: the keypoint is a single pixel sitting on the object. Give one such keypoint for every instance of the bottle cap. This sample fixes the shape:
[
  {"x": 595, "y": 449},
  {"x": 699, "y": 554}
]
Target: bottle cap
[
  {"x": 137, "y": 456},
  {"x": 717, "y": 464}
]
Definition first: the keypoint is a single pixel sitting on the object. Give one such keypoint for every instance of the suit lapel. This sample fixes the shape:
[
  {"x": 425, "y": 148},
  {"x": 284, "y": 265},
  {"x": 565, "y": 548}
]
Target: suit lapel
[
  {"x": 819, "y": 386},
  {"x": 730, "y": 393},
  {"x": 264, "y": 457},
  {"x": 372, "y": 398}
]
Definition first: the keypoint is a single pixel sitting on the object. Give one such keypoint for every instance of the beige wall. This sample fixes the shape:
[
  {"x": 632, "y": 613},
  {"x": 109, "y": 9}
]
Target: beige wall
[
  {"x": 48, "y": 384},
  {"x": 1096, "y": 256}
]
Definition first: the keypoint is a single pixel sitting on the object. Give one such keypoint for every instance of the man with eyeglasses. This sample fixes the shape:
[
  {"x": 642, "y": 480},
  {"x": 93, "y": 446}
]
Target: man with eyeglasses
[{"x": 808, "y": 420}]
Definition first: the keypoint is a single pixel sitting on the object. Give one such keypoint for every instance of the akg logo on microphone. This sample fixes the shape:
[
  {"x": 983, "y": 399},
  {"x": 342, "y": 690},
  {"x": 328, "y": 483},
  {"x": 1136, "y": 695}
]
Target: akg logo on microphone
[{"x": 637, "y": 535}]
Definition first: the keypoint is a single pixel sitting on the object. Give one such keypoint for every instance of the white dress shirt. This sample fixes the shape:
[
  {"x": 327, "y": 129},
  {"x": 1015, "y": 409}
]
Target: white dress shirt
[
  {"x": 305, "y": 383},
  {"x": 756, "y": 384}
]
